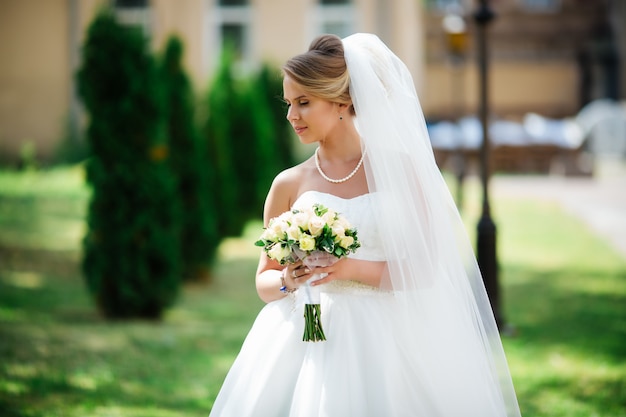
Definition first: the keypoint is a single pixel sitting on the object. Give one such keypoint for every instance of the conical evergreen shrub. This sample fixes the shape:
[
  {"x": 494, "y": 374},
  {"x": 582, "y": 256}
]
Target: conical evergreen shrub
[
  {"x": 220, "y": 134},
  {"x": 269, "y": 84},
  {"x": 131, "y": 250},
  {"x": 190, "y": 162},
  {"x": 249, "y": 141},
  {"x": 264, "y": 150}
]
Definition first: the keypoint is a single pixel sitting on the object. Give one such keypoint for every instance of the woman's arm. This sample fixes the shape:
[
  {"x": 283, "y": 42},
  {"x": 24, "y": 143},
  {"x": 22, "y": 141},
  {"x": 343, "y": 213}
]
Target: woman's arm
[{"x": 269, "y": 272}]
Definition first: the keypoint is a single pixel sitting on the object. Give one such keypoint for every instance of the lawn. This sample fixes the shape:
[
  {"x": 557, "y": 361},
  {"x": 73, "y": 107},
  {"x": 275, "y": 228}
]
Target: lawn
[{"x": 563, "y": 289}]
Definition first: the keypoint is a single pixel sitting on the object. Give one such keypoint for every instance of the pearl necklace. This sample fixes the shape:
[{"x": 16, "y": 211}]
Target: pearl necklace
[{"x": 344, "y": 179}]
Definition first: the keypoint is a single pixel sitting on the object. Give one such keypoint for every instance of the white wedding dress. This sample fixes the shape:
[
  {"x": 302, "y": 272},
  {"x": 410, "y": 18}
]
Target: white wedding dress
[{"x": 362, "y": 369}]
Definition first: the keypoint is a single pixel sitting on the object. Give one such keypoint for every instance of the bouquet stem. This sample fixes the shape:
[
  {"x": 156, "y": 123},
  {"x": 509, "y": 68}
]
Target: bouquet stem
[{"x": 313, "y": 331}]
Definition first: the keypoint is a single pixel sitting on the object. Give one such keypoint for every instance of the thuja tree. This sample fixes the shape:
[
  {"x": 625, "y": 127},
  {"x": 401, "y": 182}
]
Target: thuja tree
[
  {"x": 253, "y": 137},
  {"x": 269, "y": 85},
  {"x": 131, "y": 250},
  {"x": 248, "y": 139},
  {"x": 223, "y": 104},
  {"x": 190, "y": 162},
  {"x": 267, "y": 135}
]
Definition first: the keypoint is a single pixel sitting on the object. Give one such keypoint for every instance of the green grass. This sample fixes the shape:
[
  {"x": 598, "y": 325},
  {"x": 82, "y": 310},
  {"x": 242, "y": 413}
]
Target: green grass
[
  {"x": 43, "y": 209},
  {"x": 563, "y": 289}
]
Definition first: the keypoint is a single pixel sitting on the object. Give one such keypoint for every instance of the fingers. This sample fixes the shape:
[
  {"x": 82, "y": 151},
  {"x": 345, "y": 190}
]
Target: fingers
[
  {"x": 297, "y": 273},
  {"x": 324, "y": 278}
]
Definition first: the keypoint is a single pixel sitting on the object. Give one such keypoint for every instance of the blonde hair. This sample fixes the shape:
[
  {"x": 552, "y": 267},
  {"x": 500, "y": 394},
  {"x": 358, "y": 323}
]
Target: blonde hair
[{"x": 322, "y": 70}]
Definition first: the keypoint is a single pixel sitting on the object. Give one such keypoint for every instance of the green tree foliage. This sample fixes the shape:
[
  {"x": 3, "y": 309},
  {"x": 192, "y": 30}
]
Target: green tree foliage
[
  {"x": 219, "y": 131},
  {"x": 131, "y": 250},
  {"x": 253, "y": 140},
  {"x": 270, "y": 85},
  {"x": 248, "y": 138},
  {"x": 190, "y": 162},
  {"x": 272, "y": 132}
]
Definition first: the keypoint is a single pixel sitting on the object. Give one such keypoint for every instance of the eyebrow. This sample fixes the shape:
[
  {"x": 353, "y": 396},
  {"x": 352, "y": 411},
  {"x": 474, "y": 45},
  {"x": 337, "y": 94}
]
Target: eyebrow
[{"x": 295, "y": 99}]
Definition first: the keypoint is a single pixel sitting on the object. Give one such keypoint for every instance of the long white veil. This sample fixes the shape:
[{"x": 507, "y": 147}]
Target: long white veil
[{"x": 444, "y": 319}]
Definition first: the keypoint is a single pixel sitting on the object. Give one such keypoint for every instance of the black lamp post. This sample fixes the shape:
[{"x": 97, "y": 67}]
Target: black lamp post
[
  {"x": 486, "y": 239},
  {"x": 454, "y": 28}
]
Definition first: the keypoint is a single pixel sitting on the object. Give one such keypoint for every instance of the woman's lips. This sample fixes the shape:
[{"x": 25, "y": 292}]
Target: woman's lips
[{"x": 299, "y": 130}]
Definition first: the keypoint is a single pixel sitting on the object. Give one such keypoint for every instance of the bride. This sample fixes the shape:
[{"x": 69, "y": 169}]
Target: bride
[{"x": 408, "y": 324}]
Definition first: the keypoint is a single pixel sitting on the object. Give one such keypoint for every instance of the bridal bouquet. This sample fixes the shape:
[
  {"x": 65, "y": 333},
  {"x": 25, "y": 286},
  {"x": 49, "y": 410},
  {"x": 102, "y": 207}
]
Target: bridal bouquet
[{"x": 319, "y": 237}]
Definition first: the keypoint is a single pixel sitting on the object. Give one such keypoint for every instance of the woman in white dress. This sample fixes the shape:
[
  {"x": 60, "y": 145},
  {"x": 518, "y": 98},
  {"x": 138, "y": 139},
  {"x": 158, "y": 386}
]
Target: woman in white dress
[{"x": 408, "y": 324}]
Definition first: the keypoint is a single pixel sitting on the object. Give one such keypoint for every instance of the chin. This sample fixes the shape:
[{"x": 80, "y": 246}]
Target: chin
[{"x": 307, "y": 141}]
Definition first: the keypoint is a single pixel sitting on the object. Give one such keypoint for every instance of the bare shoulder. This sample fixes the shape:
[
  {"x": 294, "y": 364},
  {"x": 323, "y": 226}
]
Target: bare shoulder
[{"x": 285, "y": 189}]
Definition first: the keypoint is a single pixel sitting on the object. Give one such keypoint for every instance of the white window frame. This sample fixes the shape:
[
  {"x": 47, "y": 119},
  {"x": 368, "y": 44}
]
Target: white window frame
[
  {"x": 135, "y": 16},
  {"x": 335, "y": 14},
  {"x": 540, "y": 6},
  {"x": 219, "y": 16},
  {"x": 449, "y": 6}
]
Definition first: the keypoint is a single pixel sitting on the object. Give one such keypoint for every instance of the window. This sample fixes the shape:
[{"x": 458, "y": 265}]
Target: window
[
  {"x": 541, "y": 6},
  {"x": 446, "y": 6},
  {"x": 131, "y": 4},
  {"x": 232, "y": 29},
  {"x": 336, "y": 17},
  {"x": 233, "y": 36},
  {"x": 134, "y": 13}
]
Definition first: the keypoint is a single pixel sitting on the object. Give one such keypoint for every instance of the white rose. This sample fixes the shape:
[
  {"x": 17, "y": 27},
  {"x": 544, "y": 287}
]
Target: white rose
[
  {"x": 270, "y": 235},
  {"x": 307, "y": 242},
  {"x": 278, "y": 253},
  {"x": 339, "y": 233},
  {"x": 300, "y": 220},
  {"x": 294, "y": 233},
  {"x": 346, "y": 242},
  {"x": 278, "y": 227},
  {"x": 316, "y": 225},
  {"x": 343, "y": 222},
  {"x": 329, "y": 216}
]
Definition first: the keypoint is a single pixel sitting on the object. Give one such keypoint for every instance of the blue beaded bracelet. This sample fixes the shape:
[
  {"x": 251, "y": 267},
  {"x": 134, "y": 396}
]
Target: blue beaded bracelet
[{"x": 284, "y": 288}]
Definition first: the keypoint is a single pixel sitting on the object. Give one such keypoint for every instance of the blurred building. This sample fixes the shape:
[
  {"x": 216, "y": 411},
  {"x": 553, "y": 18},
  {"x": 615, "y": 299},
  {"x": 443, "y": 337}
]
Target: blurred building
[
  {"x": 549, "y": 56},
  {"x": 546, "y": 56}
]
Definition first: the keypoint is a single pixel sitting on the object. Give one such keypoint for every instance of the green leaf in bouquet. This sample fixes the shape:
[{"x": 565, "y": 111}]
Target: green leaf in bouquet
[{"x": 319, "y": 209}]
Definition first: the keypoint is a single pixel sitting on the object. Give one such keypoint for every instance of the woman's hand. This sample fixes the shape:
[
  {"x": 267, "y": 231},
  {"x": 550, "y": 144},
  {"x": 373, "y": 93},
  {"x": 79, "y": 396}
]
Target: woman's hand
[
  {"x": 295, "y": 275},
  {"x": 343, "y": 269},
  {"x": 367, "y": 272}
]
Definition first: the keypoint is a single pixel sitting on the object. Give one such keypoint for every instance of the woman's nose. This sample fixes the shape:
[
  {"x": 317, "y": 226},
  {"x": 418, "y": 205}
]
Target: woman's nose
[{"x": 291, "y": 113}]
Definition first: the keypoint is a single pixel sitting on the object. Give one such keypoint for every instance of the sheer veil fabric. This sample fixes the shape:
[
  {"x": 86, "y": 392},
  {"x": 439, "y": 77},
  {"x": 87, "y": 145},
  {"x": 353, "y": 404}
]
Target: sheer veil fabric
[{"x": 443, "y": 320}]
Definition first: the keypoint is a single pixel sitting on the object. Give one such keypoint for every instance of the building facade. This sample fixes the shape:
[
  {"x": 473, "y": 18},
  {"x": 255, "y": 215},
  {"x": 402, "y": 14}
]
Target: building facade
[
  {"x": 536, "y": 59},
  {"x": 546, "y": 56}
]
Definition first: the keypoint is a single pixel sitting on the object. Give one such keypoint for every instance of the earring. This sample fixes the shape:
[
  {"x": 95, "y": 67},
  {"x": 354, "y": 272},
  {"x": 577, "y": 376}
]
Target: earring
[{"x": 340, "y": 117}]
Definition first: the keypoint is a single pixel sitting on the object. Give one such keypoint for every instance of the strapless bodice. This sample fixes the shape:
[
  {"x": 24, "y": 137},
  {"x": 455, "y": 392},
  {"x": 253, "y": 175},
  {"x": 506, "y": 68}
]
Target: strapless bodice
[{"x": 358, "y": 211}]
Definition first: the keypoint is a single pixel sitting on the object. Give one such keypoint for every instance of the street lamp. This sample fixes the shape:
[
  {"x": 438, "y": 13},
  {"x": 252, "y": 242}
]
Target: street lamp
[
  {"x": 455, "y": 30},
  {"x": 486, "y": 229},
  {"x": 456, "y": 34}
]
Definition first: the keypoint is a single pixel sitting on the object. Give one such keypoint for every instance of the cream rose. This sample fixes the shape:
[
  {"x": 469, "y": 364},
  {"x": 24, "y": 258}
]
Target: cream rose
[
  {"x": 329, "y": 217},
  {"x": 339, "y": 233},
  {"x": 300, "y": 219},
  {"x": 278, "y": 227},
  {"x": 346, "y": 241},
  {"x": 270, "y": 235},
  {"x": 343, "y": 223},
  {"x": 278, "y": 253},
  {"x": 316, "y": 225},
  {"x": 294, "y": 233},
  {"x": 307, "y": 242}
]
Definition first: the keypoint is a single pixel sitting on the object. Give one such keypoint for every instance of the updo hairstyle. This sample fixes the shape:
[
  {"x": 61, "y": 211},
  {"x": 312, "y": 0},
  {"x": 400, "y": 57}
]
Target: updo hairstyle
[{"x": 322, "y": 70}]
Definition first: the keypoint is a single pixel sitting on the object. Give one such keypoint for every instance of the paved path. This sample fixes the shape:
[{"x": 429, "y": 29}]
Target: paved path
[{"x": 599, "y": 201}]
